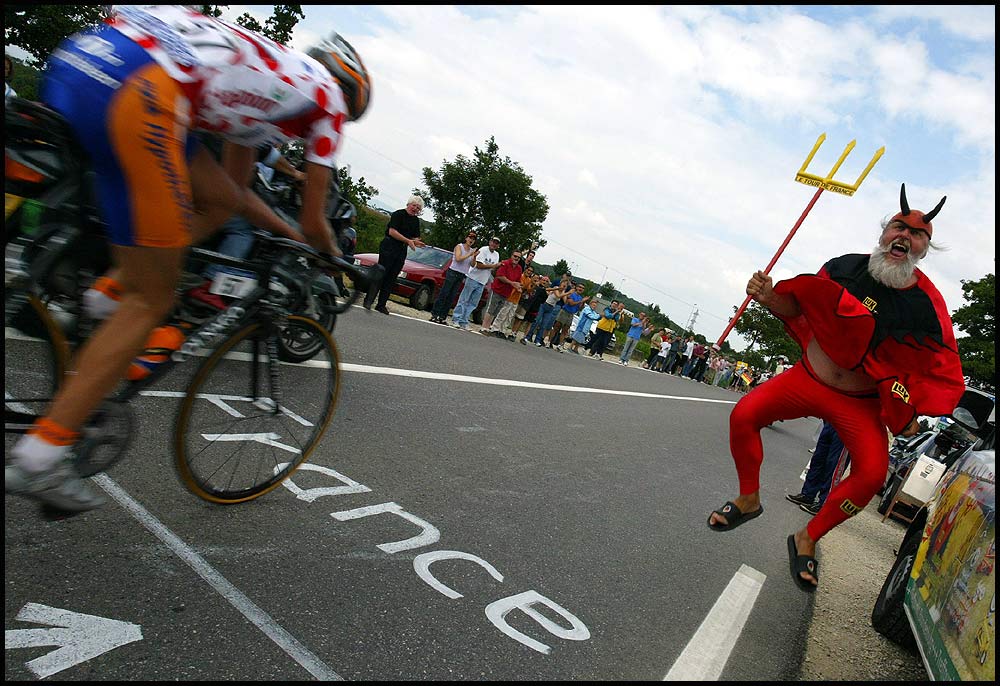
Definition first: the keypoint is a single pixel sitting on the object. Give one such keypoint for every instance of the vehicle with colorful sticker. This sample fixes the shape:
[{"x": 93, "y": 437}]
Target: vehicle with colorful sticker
[{"x": 939, "y": 596}]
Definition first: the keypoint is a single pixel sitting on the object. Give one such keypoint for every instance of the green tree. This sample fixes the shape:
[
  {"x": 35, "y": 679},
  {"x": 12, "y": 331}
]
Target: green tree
[
  {"x": 370, "y": 228},
  {"x": 278, "y": 27},
  {"x": 609, "y": 291},
  {"x": 560, "y": 268},
  {"x": 24, "y": 79},
  {"x": 357, "y": 191},
  {"x": 281, "y": 23},
  {"x": 247, "y": 21},
  {"x": 38, "y": 29},
  {"x": 765, "y": 331},
  {"x": 977, "y": 319},
  {"x": 370, "y": 225},
  {"x": 487, "y": 193},
  {"x": 211, "y": 10}
]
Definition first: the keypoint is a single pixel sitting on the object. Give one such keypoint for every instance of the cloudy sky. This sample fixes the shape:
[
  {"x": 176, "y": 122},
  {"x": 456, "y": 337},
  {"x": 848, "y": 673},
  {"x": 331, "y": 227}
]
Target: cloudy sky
[{"x": 667, "y": 139}]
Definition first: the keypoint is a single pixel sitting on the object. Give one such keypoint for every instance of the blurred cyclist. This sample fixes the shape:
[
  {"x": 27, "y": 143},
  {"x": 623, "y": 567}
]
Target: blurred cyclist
[{"x": 134, "y": 89}]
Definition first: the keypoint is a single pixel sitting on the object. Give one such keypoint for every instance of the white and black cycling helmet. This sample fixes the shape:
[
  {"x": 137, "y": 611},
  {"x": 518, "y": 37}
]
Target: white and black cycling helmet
[{"x": 343, "y": 62}]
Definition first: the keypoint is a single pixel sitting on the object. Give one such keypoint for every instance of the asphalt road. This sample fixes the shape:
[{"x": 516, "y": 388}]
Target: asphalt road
[{"x": 548, "y": 525}]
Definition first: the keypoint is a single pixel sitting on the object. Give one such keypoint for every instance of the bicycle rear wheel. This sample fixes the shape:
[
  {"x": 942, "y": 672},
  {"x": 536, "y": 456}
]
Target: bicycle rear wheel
[
  {"x": 248, "y": 420},
  {"x": 36, "y": 353}
]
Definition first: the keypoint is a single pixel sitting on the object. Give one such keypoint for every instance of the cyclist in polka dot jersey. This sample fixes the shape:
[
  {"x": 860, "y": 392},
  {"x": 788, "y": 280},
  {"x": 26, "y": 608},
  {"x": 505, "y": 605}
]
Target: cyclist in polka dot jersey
[{"x": 133, "y": 90}]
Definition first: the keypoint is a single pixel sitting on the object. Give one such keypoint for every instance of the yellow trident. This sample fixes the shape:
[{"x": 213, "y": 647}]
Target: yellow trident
[
  {"x": 827, "y": 182},
  {"x": 821, "y": 184}
]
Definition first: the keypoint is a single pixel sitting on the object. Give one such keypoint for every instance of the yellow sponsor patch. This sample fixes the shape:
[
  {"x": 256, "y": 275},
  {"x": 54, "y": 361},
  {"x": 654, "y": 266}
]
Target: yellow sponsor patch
[
  {"x": 849, "y": 508},
  {"x": 899, "y": 389},
  {"x": 870, "y": 304}
]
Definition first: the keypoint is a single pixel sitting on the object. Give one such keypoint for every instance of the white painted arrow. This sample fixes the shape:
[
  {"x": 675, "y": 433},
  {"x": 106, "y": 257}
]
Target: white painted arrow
[
  {"x": 265, "y": 438},
  {"x": 80, "y": 637}
]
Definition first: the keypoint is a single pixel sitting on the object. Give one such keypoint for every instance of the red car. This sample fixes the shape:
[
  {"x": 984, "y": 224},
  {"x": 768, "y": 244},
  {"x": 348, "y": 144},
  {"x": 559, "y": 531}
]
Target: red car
[{"x": 422, "y": 276}]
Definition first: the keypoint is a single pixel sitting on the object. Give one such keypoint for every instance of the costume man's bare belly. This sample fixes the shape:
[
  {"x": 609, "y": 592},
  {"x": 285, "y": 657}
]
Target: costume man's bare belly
[{"x": 832, "y": 375}]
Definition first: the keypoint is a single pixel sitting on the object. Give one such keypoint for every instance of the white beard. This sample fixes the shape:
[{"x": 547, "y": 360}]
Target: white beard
[{"x": 890, "y": 273}]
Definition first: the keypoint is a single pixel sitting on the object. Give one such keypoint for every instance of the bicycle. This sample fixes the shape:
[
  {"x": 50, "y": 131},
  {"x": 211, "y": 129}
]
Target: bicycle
[{"x": 211, "y": 460}]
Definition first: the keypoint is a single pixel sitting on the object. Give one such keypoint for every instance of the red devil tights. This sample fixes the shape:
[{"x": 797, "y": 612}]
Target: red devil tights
[{"x": 796, "y": 393}]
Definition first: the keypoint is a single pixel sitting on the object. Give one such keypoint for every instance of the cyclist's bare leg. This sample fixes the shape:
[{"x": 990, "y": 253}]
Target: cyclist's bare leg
[
  {"x": 148, "y": 277},
  {"x": 41, "y": 470},
  {"x": 217, "y": 197}
]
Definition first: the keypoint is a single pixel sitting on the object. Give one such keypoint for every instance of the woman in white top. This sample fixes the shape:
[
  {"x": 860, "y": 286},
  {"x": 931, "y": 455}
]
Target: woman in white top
[{"x": 453, "y": 280}]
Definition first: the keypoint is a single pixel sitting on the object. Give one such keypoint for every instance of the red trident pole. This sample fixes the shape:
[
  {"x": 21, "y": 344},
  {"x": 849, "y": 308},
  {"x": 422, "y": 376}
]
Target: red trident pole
[{"x": 822, "y": 183}]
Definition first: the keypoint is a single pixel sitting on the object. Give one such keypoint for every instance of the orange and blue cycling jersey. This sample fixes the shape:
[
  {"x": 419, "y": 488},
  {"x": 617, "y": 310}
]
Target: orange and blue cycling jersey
[{"x": 133, "y": 89}]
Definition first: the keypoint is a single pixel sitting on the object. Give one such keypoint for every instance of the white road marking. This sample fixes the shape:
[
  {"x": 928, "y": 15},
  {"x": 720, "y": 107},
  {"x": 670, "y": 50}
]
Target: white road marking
[
  {"x": 291, "y": 645},
  {"x": 270, "y": 439},
  {"x": 14, "y": 406},
  {"x": 439, "y": 376},
  {"x": 415, "y": 374},
  {"x": 367, "y": 369},
  {"x": 79, "y": 637},
  {"x": 706, "y": 654}
]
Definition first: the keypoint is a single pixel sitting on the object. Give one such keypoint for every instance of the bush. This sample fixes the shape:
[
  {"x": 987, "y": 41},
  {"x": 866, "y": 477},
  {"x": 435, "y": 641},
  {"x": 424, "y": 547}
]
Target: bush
[{"x": 371, "y": 230}]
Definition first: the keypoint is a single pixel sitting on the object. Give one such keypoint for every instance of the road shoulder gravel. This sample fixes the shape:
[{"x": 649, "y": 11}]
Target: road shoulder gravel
[{"x": 842, "y": 645}]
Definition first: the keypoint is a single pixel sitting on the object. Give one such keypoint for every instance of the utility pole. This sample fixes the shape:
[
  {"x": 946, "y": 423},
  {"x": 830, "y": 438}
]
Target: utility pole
[{"x": 692, "y": 319}]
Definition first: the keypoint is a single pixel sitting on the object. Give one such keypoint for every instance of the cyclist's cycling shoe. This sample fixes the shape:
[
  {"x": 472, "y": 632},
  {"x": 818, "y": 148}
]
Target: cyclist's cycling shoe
[{"x": 60, "y": 486}]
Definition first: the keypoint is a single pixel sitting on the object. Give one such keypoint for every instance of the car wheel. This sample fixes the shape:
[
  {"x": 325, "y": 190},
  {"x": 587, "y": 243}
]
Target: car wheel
[
  {"x": 888, "y": 494},
  {"x": 888, "y": 615},
  {"x": 421, "y": 299}
]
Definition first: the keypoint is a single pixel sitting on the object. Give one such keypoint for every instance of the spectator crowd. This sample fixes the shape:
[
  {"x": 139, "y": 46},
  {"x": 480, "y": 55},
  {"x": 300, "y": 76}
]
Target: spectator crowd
[{"x": 527, "y": 307}]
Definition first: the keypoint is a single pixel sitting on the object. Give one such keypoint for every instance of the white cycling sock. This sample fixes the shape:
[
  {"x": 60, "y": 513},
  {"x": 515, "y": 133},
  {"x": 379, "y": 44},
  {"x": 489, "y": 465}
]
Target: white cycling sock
[
  {"x": 101, "y": 300},
  {"x": 35, "y": 454}
]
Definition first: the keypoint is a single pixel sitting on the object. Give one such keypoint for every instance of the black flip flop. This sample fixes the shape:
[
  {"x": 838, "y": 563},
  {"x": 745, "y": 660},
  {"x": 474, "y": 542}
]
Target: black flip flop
[
  {"x": 733, "y": 515},
  {"x": 802, "y": 563}
]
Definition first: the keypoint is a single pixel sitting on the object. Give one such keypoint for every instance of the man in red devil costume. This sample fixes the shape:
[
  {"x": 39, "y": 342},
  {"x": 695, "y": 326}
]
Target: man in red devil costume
[{"x": 879, "y": 349}]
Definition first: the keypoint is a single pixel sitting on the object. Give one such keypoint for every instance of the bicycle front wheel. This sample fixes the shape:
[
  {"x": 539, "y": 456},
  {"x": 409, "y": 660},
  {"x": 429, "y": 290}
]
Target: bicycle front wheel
[{"x": 249, "y": 420}]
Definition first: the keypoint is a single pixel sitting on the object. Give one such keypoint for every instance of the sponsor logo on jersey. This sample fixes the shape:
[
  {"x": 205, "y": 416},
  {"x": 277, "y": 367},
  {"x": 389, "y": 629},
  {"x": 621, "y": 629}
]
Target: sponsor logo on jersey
[{"x": 245, "y": 99}]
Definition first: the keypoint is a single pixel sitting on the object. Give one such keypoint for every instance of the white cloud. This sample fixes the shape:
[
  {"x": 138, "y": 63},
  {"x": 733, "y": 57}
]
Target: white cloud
[
  {"x": 587, "y": 177},
  {"x": 667, "y": 138},
  {"x": 972, "y": 22}
]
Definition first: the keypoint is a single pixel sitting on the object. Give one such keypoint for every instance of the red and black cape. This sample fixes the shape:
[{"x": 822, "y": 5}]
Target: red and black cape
[{"x": 902, "y": 338}]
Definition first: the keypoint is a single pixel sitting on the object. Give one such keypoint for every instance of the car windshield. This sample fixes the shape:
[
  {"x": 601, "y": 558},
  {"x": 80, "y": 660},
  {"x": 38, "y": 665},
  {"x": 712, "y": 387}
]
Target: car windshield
[{"x": 434, "y": 257}]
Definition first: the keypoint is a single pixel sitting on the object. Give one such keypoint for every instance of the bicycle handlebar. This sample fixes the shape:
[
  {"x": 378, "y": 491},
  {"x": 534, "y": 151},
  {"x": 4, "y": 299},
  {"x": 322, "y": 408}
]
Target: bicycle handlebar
[{"x": 364, "y": 278}]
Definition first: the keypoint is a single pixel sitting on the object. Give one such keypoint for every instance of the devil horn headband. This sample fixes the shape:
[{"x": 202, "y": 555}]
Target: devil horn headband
[
  {"x": 905, "y": 207},
  {"x": 933, "y": 213}
]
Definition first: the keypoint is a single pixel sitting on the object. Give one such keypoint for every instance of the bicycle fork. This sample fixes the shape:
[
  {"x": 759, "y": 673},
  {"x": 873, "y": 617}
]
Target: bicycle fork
[{"x": 268, "y": 399}]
